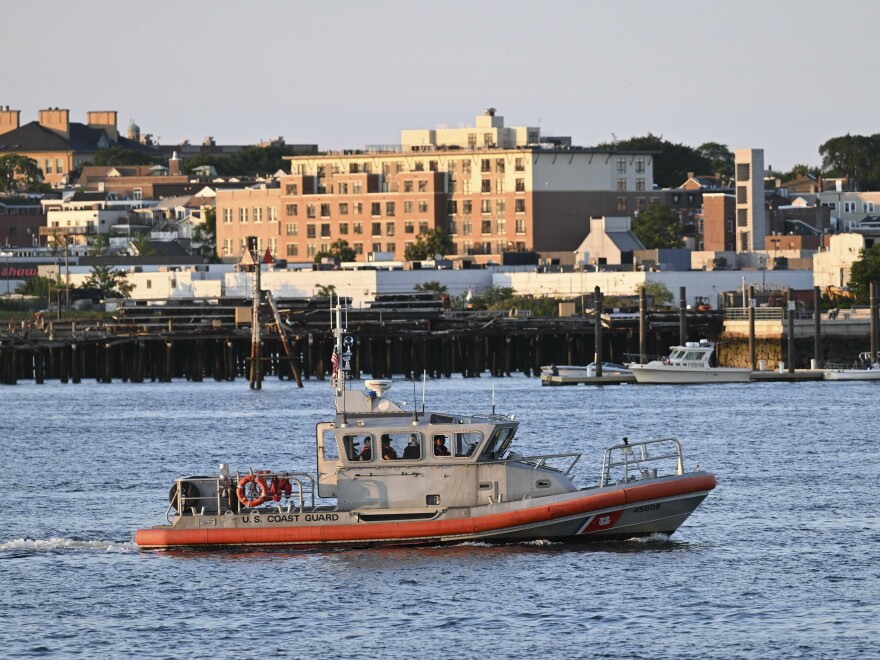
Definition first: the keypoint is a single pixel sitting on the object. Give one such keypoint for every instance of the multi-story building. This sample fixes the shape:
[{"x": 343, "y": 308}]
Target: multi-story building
[
  {"x": 58, "y": 145},
  {"x": 489, "y": 199},
  {"x": 20, "y": 222},
  {"x": 751, "y": 219}
]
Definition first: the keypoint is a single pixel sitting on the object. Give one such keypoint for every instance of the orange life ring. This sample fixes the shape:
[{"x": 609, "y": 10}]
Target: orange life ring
[
  {"x": 258, "y": 483},
  {"x": 664, "y": 360}
]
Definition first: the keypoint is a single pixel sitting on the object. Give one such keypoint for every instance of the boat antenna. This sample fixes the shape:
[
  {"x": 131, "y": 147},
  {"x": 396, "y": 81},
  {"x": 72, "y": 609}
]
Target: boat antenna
[
  {"x": 493, "y": 398},
  {"x": 424, "y": 381},
  {"x": 412, "y": 375}
]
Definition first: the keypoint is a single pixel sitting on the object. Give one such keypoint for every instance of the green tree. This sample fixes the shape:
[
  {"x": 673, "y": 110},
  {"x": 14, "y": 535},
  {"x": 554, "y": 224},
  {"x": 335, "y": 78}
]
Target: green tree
[
  {"x": 222, "y": 164},
  {"x": 39, "y": 286},
  {"x": 863, "y": 272},
  {"x": 141, "y": 244},
  {"x": 853, "y": 156},
  {"x": 432, "y": 286},
  {"x": 122, "y": 156},
  {"x": 98, "y": 245},
  {"x": 661, "y": 294},
  {"x": 20, "y": 174},
  {"x": 428, "y": 244},
  {"x": 672, "y": 162},
  {"x": 658, "y": 227},
  {"x": 111, "y": 283},
  {"x": 339, "y": 249},
  {"x": 720, "y": 158},
  {"x": 325, "y": 290},
  {"x": 204, "y": 240}
]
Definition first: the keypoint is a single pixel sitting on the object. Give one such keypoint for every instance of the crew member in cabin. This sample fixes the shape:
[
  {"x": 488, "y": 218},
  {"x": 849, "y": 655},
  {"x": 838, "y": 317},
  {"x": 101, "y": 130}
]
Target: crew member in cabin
[
  {"x": 388, "y": 452},
  {"x": 411, "y": 451},
  {"x": 440, "y": 448},
  {"x": 367, "y": 451}
]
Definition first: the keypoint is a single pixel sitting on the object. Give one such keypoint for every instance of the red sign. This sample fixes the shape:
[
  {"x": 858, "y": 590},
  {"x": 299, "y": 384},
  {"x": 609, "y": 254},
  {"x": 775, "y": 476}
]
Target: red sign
[{"x": 12, "y": 272}]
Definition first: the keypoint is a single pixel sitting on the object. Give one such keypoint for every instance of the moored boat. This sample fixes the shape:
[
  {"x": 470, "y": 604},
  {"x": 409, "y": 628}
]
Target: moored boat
[
  {"x": 867, "y": 367},
  {"x": 689, "y": 364},
  {"x": 390, "y": 476}
]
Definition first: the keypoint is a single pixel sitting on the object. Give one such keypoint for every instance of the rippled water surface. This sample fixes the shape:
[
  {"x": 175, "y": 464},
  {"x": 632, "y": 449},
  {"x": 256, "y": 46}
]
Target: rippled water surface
[{"x": 781, "y": 560}]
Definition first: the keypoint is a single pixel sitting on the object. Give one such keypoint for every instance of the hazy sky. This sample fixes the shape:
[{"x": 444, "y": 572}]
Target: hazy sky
[{"x": 784, "y": 76}]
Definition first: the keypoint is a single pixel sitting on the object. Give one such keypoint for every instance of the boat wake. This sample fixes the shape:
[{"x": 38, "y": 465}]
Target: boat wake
[{"x": 67, "y": 545}]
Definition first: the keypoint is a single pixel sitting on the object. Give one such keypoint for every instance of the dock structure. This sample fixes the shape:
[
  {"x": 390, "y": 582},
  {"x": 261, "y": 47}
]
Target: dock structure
[{"x": 198, "y": 342}]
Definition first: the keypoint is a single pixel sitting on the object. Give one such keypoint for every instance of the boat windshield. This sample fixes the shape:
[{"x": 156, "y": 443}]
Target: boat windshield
[
  {"x": 676, "y": 355},
  {"x": 498, "y": 443},
  {"x": 694, "y": 355}
]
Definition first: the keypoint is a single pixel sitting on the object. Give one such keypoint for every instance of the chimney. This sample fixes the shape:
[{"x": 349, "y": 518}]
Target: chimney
[
  {"x": 9, "y": 119},
  {"x": 56, "y": 120},
  {"x": 105, "y": 119},
  {"x": 174, "y": 164}
]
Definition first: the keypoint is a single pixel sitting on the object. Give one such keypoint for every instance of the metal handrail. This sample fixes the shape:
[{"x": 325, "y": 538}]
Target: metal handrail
[
  {"x": 541, "y": 460},
  {"x": 628, "y": 451},
  {"x": 642, "y": 358}
]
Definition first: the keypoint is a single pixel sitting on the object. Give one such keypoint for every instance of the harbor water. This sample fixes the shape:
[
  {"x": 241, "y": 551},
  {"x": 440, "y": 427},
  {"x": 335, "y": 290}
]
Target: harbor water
[{"x": 780, "y": 561}]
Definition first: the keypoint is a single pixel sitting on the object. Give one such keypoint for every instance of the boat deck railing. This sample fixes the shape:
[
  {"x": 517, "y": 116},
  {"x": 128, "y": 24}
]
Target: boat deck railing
[
  {"x": 547, "y": 461},
  {"x": 199, "y": 496},
  {"x": 642, "y": 459}
]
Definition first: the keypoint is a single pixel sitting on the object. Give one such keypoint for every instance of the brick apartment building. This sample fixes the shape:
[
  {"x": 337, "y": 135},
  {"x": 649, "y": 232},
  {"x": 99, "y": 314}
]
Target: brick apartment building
[{"x": 493, "y": 189}]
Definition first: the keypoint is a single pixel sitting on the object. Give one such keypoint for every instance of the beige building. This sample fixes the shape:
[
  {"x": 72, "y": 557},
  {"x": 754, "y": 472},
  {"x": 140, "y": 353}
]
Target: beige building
[
  {"x": 488, "y": 199},
  {"x": 751, "y": 219},
  {"x": 58, "y": 145},
  {"x": 831, "y": 267}
]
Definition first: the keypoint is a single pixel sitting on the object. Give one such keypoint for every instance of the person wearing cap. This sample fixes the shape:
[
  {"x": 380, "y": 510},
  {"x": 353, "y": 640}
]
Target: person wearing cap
[
  {"x": 411, "y": 451},
  {"x": 367, "y": 451},
  {"x": 388, "y": 452},
  {"x": 440, "y": 448}
]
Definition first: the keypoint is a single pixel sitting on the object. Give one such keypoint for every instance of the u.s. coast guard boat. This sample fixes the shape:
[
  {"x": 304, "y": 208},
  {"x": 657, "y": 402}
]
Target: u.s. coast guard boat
[{"x": 390, "y": 476}]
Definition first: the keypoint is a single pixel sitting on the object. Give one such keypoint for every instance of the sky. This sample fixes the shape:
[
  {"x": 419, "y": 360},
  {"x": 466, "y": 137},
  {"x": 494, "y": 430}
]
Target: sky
[{"x": 783, "y": 76}]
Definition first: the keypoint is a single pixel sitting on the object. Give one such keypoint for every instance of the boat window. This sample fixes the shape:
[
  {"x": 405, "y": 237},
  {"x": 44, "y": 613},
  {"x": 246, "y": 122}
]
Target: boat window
[
  {"x": 440, "y": 445},
  {"x": 676, "y": 355},
  {"x": 694, "y": 355},
  {"x": 437, "y": 418},
  {"x": 402, "y": 445},
  {"x": 330, "y": 449},
  {"x": 466, "y": 443},
  {"x": 358, "y": 447},
  {"x": 498, "y": 443}
]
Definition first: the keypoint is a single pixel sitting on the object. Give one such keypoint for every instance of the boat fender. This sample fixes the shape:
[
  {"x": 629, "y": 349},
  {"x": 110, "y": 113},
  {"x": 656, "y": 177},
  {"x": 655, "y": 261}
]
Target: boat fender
[
  {"x": 665, "y": 360},
  {"x": 259, "y": 483}
]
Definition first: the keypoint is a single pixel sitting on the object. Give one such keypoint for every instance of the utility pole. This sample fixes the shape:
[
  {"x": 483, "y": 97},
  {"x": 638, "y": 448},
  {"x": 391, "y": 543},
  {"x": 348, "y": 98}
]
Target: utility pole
[{"x": 256, "y": 375}]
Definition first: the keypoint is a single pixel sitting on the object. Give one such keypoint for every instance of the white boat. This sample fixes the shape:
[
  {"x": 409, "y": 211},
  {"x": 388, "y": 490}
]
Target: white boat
[
  {"x": 439, "y": 478},
  {"x": 588, "y": 371},
  {"x": 864, "y": 369},
  {"x": 688, "y": 364}
]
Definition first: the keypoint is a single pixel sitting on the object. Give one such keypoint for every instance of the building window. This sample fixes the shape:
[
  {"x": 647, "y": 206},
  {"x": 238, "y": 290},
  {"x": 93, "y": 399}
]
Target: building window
[
  {"x": 486, "y": 206},
  {"x": 357, "y": 208},
  {"x": 520, "y": 185},
  {"x": 467, "y": 227},
  {"x": 343, "y": 188},
  {"x": 499, "y": 186},
  {"x": 742, "y": 194},
  {"x": 621, "y": 165},
  {"x": 423, "y": 226},
  {"x": 310, "y": 231},
  {"x": 310, "y": 210},
  {"x": 743, "y": 171},
  {"x": 343, "y": 208},
  {"x": 423, "y": 207},
  {"x": 311, "y": 251},
  {"x": 640, "y": 165},
  {"x": 499, "y": 165},
  {"x": 621, "y": 185},
  {"x": 485, "y": 165},
  {"x": 730, "y": 225},
  {"x": 258, "y": 214},
  {"x": 466, "y": 206},
  {"x": 358, "y": 248},
  {"x": 325, "y": 210},
  {"x": 640, "y": 185},
  {"x": 391, "y": 247},
  {"x": 242, "y": 216},
  {"x": 500, "y": 206},
  {"x": 621, "y": 203},
  {"x": 419, "y": 166},
  {"x": 453, "y": 229},
  {"x": 519, "y": 165},
  {"x": 486, "y": 186},
  {"x": 375, "y": 209},
  {"x": 358, "y": 228},
  {"x": 742, "y": 218},
  {"x": 472, "y": 140},
  {"x": 137, "y": 194},
  {"x": 227, "y": 246},
  {"x": 273, "y": 213},
  {"x": 640, "y": 203},
  {"x": 486, "y": 227},
  {"x": 466, "y": 167},
  {"x": 389, "y": 229},
  {"x": 520, "y": 206},
  {"x": 377, "y": 247},
  {"x": 520, "y": 225},
  {"x": 290, "y": 189},
  {"x": 868, "y": 207},
  {"x": 849, "y": 207},
  {"x": 227, "y": 216},
  {"x": 343, "y": 228},
  {"x": 325, "y": 230},
  {"x": 423, "y": 186},
  {"x": 291, "y": 209},
  {"x": 292, "y": 250},
  {"x": 407, "y": 186},
  {"x": 376, "y": 229},
  {"x": 389, "y": 209},
  {"x": 676, "y": 199},
  {"x": 357, "y": 187},
  {"x": 409, "y": 227},
  {"x": 292, "y": 229}
]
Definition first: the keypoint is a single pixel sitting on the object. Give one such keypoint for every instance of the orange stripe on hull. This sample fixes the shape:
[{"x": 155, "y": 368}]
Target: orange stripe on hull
[{"x": 403, "y": 531}]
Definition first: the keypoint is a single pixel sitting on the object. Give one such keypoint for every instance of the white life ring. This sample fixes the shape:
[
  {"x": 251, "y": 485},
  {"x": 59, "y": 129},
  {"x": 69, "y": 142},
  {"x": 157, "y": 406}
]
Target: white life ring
[{"x": 664, "y": 360}]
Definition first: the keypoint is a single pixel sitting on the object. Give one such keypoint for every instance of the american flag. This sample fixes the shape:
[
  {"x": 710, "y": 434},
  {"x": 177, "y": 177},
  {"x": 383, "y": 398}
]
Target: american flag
[{"x": 334, "y": 359}]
